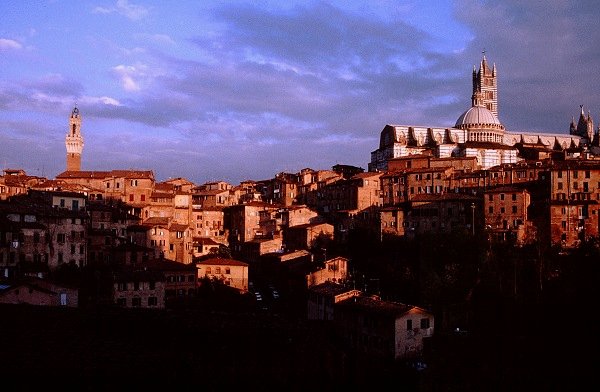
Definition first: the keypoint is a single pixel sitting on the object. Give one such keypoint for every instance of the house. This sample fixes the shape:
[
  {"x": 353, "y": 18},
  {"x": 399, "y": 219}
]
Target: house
[
  {"x": 383, "y": 329},
  {"x": 323, "y": 296},
  {"x": 35, "y": 291},
  {"x": 334, "y": 270},
  {"x": 181, "y": 279},
  {"x": 138, "y": 287},
  {"x": 231, "y": 272},
  {"x": 308, "y": 235}
]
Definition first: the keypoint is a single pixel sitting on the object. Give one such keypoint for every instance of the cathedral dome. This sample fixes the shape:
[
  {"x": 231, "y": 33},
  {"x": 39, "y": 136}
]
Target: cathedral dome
[{"x": 477, "y": 116}]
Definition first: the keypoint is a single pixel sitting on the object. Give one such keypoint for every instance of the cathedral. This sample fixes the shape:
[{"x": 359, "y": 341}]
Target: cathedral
[{"x": 479, "y": 133}]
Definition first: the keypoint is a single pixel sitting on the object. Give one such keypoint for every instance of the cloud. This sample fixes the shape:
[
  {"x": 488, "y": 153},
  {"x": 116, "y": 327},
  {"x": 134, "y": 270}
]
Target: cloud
[
  {"x": 9, "y": 44},
  {"x": 123, "y": 7},
  {"x": 127, "y": 74},
  {"x": 161, "y": 39}
]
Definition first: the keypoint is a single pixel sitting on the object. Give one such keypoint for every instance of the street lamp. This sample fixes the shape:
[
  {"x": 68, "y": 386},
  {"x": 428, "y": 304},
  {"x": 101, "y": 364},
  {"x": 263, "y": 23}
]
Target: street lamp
[{"x": 473, "y": 218}]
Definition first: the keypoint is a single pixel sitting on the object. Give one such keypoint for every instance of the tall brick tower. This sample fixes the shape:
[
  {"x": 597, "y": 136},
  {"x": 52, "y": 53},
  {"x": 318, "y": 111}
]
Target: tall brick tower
[
  {"x": 74, "y": 142},
  {"x": 486, "y": 81}
]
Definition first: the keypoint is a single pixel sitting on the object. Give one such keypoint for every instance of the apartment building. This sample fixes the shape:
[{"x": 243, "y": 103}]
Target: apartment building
[
  {"x": 505, "y": 212},
  {"x": 231, "y": 272}
]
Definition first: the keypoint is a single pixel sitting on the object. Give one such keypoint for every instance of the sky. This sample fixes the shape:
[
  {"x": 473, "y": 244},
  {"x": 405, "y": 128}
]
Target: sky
[{"x": 243, "y": 90}]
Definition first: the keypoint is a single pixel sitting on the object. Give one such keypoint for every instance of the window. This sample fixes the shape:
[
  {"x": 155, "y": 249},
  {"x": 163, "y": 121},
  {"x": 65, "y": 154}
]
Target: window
[
  {"x": 490, "y": 197},
  {"x": 559, "y": 174},
  {"x": 62, "y": 202},
  {"x": 134, "y": 183},
  {"x": 514, "y": 209},
  {"x": 121, "y": 286},
  {"x": 575, "y": 174},
  {"x": 152, "y": 285},
  {"x": 502, "y": 196},
  {"x": 136, "y": 302},
  {"x": 131, "y": 197},
  {"x": 514, "y": 197},
  {"x": 490, "y": 210},
  {"x": 122, "y": 301},
  {"x": 152, "y": 301},
  {"x": 409, "y": 326},
  {"x": 227, "y": 270},
  {"x": 190, "y": 278},
  {"x": 217, "y": 270},
  {"x": 208, "y": 270},
  {"x": 424, "y": 323},
  {"x": 559, "y": 185},
  {"x": 136, "y": 286},
  {"x": 502, "y": 210},
  {"x": 143, "y": 197}
]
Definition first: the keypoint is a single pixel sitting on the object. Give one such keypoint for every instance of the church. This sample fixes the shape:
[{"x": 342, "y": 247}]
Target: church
[{"x": 478, "y": 133}]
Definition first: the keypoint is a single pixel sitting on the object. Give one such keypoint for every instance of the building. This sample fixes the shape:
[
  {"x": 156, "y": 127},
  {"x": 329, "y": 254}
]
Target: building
[
  {"x": 42, "y": 292},
  {"x": 477, "y": 133},
  {"x": 138, "y": 287},
  {"x": 74, "y": 141},
  {"x": 505, "y": 211},
  {"x": 232, "y": 273},
  {"x": 322, "y": 298},
  {"x": 334, "y": 270},
  {"x": 383, "y": 329}
]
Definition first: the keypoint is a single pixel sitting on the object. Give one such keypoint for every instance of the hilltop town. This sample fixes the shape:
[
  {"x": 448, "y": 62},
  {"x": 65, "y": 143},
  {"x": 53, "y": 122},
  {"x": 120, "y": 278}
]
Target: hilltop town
[{"x": 447, "y": 227}]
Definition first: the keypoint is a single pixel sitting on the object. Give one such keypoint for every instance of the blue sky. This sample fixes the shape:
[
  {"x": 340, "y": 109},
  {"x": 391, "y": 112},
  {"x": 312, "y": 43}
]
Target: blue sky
[{"x": 236, "y": 90}]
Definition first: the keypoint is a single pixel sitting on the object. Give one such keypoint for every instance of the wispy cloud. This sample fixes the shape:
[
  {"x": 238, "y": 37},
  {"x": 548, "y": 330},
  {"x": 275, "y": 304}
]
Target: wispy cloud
[
  {"x": 123, "y": 7},
  {"x": 9, "y": 44}
]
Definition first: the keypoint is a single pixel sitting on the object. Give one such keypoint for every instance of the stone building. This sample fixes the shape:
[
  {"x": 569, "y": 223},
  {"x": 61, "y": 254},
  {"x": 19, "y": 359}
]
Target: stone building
[
  {"x": 505, "y": 212},
  {"x": 231, "y": 272},
  {"x": 383, "y": 329},
  {"x": 477, "y": 133}
]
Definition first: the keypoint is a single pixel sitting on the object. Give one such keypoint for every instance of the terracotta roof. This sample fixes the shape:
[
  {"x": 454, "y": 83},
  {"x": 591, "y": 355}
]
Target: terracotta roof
[
  {"x": 205, "y": 241},
  {"x": 370, "y": 304},
  {"x": 329, "y": 288},
  {"x": 222, "y": 261},
  {"x": 444, "y": 197},
  {"x": 156, "y": 221},
  {"x": 505, "y": 189},
  {"x": 168, "y": 265},
  {"x": 367, "y": 175},
  {"x": 105, "y": 174},
  {"x": 165, "y": 195},
  {"x": 178, "y": 227}
]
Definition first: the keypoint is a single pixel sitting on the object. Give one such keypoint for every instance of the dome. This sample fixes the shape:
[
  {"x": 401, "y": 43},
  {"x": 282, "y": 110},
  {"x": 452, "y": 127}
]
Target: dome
[{"x": 477, "y": 115}]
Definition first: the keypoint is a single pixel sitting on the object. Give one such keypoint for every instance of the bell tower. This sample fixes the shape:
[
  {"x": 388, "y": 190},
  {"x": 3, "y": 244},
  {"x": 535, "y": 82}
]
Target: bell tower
[
  {"x": 485, "y": 80},
  {"x": 74, "y": 141}
]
